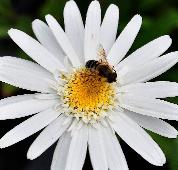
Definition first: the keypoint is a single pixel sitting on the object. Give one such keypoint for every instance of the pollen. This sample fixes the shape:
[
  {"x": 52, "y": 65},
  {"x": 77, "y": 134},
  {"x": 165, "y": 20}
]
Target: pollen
[{"x": 87, "y": 95}]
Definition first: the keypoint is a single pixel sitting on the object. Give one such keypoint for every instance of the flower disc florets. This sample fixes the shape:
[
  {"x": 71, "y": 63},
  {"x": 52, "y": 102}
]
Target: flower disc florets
[{"x": 87, "y": 95}]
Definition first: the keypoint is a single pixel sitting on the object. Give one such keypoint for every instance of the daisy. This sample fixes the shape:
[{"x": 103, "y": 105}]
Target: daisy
[{"x": 77, "y": 106}]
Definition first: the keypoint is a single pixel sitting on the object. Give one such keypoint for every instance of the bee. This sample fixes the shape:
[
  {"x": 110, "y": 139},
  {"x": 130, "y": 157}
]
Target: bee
[{"x": 102, "y": 66}]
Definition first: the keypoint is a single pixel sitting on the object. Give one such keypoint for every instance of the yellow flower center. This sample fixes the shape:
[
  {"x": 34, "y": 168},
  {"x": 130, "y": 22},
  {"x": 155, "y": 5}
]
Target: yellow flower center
[{"x": 88, "y": 95}]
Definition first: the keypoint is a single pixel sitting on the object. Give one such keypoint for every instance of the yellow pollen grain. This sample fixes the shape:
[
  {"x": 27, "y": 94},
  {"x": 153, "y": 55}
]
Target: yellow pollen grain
[{"x": 88, "y": 94}]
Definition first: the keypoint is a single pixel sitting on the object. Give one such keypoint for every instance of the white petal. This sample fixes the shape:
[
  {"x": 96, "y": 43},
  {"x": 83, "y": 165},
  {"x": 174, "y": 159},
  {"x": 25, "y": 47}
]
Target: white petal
[
  {"x": 159, "y": 89},
  {"x": 97, "y": 149},
  {"x": 61, "y": 152},
  {"x": 35, "y": 50},
  {"x": 77, "y": 150},
  {"x": 68, "y": 64},
  {"x": 150, "y": 107},
  {"x": 92, "y": 31},
  {"x": 47, "y": 39},
  {"x": 150, "y": 70},
  {"x": 154, "y": 124},
  {"x": 115, "y": 155},
  {"x": 28, "y": 127},
  {"x": 47, "y": 137},
  {"x": 47, "y": 96},
  {"x": 24, "y": 74},
  {"x": 138, "y": 139},
  {"x": 109, "y": 27},
  {"x": 125, "y": 40},
  {"x": 22, "y": 105},
  {"x": 146, "y": 53},
  {"x": 63, "y": 40},
  {"x": 74, "y": 27},
  {"x": 71, "y": 151}
]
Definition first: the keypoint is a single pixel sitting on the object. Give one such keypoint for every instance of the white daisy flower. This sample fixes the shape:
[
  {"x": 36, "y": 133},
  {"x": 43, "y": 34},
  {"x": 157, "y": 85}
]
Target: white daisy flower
[{"x": 81, "y": 104}]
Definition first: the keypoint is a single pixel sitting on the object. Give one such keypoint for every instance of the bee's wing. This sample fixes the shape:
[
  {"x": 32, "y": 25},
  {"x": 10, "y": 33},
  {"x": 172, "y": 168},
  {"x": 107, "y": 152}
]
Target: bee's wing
[{"x": 102, "y": 54}]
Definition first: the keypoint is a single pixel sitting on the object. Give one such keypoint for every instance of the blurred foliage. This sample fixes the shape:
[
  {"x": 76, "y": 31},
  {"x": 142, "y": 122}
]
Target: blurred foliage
[{"x": 159, "y": 17}]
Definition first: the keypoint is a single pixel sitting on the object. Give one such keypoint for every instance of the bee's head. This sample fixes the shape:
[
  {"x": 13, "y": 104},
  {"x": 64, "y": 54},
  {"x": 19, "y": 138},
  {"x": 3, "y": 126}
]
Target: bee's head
[{"x": 112, "y": 77}]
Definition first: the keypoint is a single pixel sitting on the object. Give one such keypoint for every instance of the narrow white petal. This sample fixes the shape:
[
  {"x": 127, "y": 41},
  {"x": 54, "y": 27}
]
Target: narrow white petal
[
  {"x": 115, "y": 155},
  {"x": 150, "y": 70},
  {"x": 67, "y": 63},
  {"x": 35, "y": 50},
  {"x": 25, "y": 64},
  {"x": 28, "y": 127},
  {"x": 97, "y": 149},
  {"x": 47, "y": 137},
  {"x": 146, "y": 53},
  {"x": 154, "y": 124},
  {"x": 47, "y": 39},
  {"x": 22, "y": 105},
  {"x": 47, "y": 96},
  {"x": 61, "y": 152},
  {"x": 138, "y": 139},
  {"x": 77, "y": 150},
  {"x": 125, "y": 40},
  {"x": 109, "y": 27},
  {"x": 150, "y": 107},
  {"x": 24, "y": 74},
  {"x": 74, "y": 27},
  {"x": 92, "y": 31},
  {"x": 63, "y": 40},
  {"x": 71, "y": 151},
  {"x": 159, "y": 89}
]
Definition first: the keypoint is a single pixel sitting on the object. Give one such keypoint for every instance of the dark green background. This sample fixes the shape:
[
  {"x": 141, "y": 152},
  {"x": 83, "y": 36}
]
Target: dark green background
[{"x": 160, "y": 17}]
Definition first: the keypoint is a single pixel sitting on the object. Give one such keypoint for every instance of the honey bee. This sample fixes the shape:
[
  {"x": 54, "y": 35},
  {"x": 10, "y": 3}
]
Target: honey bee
[{"x": 102, "y": 66}]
